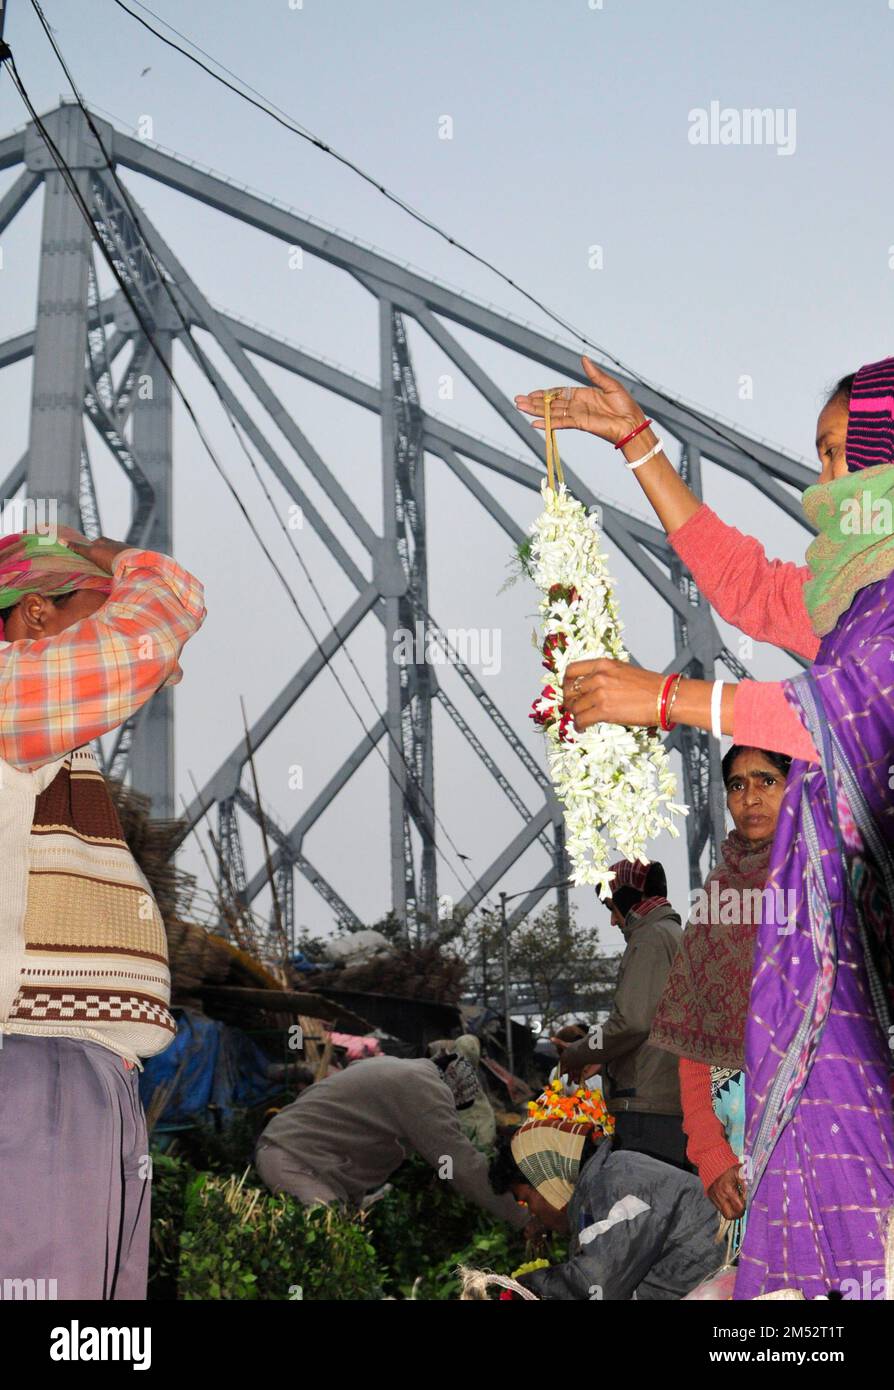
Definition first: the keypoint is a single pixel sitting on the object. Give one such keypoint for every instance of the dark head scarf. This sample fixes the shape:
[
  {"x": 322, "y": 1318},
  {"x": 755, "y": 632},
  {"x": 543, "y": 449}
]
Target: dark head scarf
[
  {"x": 461, "y": 1077},
  {"x": 630, "y": 884}
]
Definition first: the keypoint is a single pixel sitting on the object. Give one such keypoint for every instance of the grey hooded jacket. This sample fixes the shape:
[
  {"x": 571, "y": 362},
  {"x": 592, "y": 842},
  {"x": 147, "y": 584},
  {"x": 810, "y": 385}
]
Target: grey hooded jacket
[{"x": 639, "y": 1228}]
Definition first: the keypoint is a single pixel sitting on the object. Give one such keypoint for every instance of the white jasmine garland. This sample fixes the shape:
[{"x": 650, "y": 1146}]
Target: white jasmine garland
[{"x": 615, "y": 783}]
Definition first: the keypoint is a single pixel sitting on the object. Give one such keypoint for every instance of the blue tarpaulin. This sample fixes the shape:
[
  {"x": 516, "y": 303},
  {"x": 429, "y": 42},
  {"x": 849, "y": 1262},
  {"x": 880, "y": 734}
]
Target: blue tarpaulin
[
  {"x": 309, "y": 967},
  {"x": 208, "y": 1063}
]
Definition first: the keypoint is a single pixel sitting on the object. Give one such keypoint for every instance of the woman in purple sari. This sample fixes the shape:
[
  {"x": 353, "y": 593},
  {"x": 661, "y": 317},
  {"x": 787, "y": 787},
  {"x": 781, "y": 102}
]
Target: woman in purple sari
[{"x": 819, "y": 1142}]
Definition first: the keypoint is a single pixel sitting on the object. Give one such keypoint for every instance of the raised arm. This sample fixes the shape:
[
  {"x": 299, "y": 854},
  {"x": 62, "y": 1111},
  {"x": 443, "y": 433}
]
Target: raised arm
[
  {"x": 761, "y": 597},
  {"x": 754, "y": 713},
  {"x": 708, "y": 1147},
  {"x": 436, "y": 1136},
  {"x": 59, "y": 692},
  {"x": 764, "y": 598}
]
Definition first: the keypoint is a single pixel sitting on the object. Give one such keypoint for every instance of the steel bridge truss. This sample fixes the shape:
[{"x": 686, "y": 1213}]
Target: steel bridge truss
[{"x": 75, "y": 345}]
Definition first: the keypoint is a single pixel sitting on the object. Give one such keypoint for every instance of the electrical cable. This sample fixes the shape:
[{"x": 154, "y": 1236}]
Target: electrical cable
[
  {"x": 290, "y": 123},
  {"x": 71, "y": 184}
]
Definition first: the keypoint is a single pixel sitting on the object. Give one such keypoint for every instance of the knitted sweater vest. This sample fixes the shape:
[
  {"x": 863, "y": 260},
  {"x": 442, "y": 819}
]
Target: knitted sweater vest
[{"x": 83, "y": 950}]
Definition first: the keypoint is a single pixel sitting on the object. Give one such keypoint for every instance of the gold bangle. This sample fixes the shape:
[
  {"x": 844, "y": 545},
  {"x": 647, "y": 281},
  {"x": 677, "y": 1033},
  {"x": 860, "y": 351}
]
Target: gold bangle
[{"x": 670, "y": 703}]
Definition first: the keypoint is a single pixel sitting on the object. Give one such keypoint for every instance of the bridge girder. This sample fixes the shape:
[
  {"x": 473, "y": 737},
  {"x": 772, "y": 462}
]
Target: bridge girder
[{"x": 74, "y": 355}]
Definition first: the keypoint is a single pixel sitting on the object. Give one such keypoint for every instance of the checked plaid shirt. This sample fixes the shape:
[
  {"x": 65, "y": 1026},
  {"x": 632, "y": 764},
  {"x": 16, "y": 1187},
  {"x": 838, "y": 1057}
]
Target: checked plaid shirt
[{"x": 57, "y": 693}]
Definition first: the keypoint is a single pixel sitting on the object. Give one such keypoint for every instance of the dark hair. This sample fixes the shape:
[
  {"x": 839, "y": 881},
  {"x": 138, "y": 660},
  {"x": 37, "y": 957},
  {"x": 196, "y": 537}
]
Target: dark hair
[
  {"x": 504, "y": 1170},
  {"x": 781, "y": 761},
  {"x": 625, "y": 897},
  {"x": 59, "y": 600},
  {"x": 842, "y": 388},
  {"x": 571, "y": 1032}
]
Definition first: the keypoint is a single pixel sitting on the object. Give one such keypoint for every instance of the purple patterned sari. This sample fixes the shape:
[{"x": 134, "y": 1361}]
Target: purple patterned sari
[{"x": 819, "y": 1136}]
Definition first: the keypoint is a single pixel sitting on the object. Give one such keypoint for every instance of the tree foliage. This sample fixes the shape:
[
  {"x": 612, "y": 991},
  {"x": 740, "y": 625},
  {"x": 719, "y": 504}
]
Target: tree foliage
[{"x": 554, "y": 961}]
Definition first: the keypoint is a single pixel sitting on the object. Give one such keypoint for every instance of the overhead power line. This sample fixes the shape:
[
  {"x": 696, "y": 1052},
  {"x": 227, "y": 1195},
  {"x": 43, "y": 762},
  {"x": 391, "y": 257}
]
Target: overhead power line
[
  {"x": 147, "y": 330},
  {"x": 276, "y": 113}
]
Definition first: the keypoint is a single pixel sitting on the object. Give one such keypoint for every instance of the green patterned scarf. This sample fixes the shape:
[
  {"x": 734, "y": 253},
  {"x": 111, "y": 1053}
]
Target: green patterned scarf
[{"x": 854, "y": 516}]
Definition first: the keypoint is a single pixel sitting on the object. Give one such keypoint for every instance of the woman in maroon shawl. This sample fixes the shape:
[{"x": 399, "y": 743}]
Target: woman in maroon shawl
[
  {"x": 819, "y": 1142},
  {"x": 702, "y": 1013}
]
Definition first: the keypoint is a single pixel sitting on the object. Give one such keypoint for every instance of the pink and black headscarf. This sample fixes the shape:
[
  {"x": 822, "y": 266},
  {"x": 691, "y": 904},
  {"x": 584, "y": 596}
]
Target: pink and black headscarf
[
  {"x": 634, "y": 874},
  {"x": 32, "y": 564},
  {"x": 870, "y": 421}
]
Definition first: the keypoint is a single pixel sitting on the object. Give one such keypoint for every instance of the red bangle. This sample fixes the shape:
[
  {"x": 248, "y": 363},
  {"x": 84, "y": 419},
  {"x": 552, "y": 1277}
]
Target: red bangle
[
  {"x": 662, "y": 717},
  {"x": 672, "y": 724},
  {"x": 633, "y": 433}
]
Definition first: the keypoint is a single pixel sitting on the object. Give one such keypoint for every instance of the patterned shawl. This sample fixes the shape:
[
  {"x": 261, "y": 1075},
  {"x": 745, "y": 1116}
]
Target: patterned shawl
[
  {"x": 854, "y": 516},
  {"x": 32, "y": 564},
  {"x": 701, "y": 1014},
  {"x": 461, "y": 1077}
]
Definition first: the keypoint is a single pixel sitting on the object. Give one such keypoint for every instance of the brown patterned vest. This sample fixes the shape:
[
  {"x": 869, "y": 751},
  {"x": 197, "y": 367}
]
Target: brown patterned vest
[{"x": 83, "y": 951}]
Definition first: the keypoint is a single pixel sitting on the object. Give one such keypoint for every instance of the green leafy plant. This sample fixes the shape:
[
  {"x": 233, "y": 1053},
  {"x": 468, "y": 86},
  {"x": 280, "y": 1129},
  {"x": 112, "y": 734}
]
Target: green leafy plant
[
  {"x": 521, "y": 563},
  {"x": 169, "y": 1178},
  {"x": 227, "y": 1148},
  {"x": 223, "y": 1238},
  {"x": 422, "y": 1231},
  {"x": 242, "y": 1242}
]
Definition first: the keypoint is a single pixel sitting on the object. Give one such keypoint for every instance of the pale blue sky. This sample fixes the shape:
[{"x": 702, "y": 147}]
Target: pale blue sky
[{"x": 570, "y": 129}]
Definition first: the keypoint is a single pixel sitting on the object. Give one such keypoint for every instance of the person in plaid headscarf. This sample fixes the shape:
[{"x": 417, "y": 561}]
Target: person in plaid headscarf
[
  {"x": 89, "y": 630},
  {"x": 640, "y": 1083}
]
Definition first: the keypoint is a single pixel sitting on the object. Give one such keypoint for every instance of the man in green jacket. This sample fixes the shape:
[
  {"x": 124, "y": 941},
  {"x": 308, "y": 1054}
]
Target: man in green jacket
[{"x": 640, "y": 1082}]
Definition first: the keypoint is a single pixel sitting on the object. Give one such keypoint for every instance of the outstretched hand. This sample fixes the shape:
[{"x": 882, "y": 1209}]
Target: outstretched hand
[
  {"x": 576, "y": 1059},
  {"x": 605, "y": 409}
]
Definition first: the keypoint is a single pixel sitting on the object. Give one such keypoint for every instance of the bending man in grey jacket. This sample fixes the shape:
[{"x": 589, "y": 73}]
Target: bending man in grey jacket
[
  {"x": 344, "y": 1136},
  {"x": 639, "y": 1228}
]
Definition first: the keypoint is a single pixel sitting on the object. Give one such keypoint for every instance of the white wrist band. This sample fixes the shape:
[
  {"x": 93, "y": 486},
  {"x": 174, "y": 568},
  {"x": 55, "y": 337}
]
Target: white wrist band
[
  {"x": 638, "y": 463},
  {"x": 716, "y": 697}
]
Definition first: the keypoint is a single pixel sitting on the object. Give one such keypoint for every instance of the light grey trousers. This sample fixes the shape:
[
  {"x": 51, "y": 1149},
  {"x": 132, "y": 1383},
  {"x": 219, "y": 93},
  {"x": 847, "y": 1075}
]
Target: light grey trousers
[
  {"x": 74, "y": 1172},
  {"x": 282, "y": 1173}
]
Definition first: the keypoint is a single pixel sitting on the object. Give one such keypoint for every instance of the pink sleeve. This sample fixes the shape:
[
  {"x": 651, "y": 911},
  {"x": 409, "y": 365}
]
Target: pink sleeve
[
  {"x": 708, "y": 1148},
  {"x": 763, "y": 718},
  {"x": 763, "y": 598}
]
